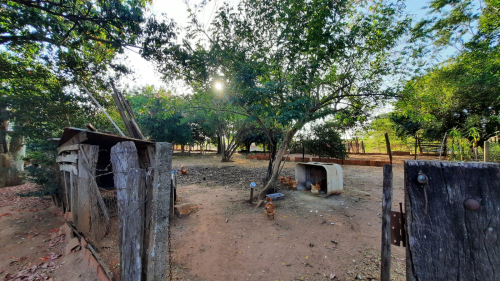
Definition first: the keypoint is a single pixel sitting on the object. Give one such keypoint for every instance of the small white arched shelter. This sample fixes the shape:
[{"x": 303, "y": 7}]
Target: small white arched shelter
[{"x": 314, "y": 172}]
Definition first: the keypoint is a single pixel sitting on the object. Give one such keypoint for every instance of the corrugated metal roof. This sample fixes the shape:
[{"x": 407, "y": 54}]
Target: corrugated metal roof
[{"x": 98, "y": 138}]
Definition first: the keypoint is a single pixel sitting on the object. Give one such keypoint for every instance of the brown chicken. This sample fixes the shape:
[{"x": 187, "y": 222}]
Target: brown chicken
[
  {"x": 183, "y": 171},
  {"x": 269, "y": 209},
  {"x": 282, "y": 179},
  {"x": 315, "y": 188}
]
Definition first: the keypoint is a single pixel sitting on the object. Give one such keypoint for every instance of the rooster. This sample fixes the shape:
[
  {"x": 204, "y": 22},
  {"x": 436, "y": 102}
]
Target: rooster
[
  {"x": 315, "y": 188},
  {"x": 183, "y": 171},
  {"x": 269, "y": 209}
]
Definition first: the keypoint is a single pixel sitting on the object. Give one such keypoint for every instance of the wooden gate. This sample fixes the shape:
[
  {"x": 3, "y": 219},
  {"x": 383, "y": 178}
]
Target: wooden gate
[{"x": 453, "y": 220}]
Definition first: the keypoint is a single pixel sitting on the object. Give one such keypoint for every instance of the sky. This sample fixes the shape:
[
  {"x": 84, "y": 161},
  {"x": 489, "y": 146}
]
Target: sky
[{"x": 145, "y": 72}]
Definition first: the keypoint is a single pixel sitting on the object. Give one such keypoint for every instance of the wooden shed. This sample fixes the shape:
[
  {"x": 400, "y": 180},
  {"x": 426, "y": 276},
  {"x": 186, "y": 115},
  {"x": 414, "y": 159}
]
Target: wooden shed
[{"x": 89, "y": 195}]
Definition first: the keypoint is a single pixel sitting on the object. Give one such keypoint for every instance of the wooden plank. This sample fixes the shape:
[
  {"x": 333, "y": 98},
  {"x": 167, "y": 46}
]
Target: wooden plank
[
  {"x": 452, "y": 242},
  {"x": 132, "y": 218},
  {"x": 75, "y": 140},
  {"x": 71, "y": 158},
  {"x": 121, "y": 110},
  {"x": 72, "y": 192},
  {"x": 151, "y": 155},
  {"x": 385, "y": 256},
  {"x": 69, "y": 168},
  {"x": 71, "y": 147},
  {"x": 147, "y": 219},
  {"x": 158, "y": 261},
  {"x": 85, "y": 175}
]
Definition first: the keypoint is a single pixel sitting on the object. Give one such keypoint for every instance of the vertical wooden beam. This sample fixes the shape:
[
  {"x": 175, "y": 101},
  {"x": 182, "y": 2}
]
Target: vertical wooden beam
[
  {"x": 132, "y": 219},
  {"x": 124, "y": 157},
  {"x": 385, "y": 256},
  {"x": 486, "y": 151},
  {"x": 121, "y": 110},
  {"x": 158, "y": 256},
  {"x": 147, "y": 220},
  {"x": 388, "y": 145}
]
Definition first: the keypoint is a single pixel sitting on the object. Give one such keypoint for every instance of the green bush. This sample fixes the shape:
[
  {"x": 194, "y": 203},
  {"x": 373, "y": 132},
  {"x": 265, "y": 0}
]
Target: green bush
[{"x": 42, "y": 170}]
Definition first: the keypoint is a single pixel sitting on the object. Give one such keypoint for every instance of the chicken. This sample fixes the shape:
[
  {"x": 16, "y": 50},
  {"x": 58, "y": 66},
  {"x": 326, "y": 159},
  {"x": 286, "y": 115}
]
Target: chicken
[
  {"x": 315, "y": 188},
  {"x": 282, "y": 179},
  {"x": 183, "y": 171},
  {"x": 269, "y": 209},
  {"x": 293, "y": 184}
]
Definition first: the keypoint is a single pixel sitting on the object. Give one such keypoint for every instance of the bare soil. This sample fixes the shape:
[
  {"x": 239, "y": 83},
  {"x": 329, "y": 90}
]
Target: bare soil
[
  {"x": 28, "y": 249},
  {"x": 311, "y": 238}
]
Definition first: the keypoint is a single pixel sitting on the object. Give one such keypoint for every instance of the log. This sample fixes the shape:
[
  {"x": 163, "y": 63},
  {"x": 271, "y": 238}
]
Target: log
[
  {"x": 454, "y": 240},
  {"x": 158, "y": 256},
  {"x": 132, "y": 219},
  {"x": 385, "y": 256}
]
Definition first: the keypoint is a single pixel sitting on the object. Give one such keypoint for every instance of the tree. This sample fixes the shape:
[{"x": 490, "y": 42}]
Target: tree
[
  {"x": 48, "y": 48},
  {"x": 161, "y": 115},
  {"x": 325, "y": 141},
  {"x": 292, "y": 62},
  {"x": 462, "y": 92},
  {"x": 373, "y": 135}
]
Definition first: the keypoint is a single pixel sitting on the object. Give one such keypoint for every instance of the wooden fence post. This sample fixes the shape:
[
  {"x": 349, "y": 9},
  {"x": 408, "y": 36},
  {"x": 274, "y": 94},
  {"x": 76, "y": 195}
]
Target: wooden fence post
[
  {"x": 158, "y": 256},
  {"x": 388, "y": 146},
  {"x": 486, "y": 151},
  {"x": 385, "y": 256},
  {"x": 124, "y": 157},
  {"x": 132, "y": 220}
]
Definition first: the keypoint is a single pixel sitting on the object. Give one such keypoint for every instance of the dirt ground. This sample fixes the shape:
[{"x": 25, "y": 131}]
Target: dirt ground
[
  {"x": 28, "y": 249},
  {"x": 311, "y": 238},
  {"x": 227, "y": 238}
]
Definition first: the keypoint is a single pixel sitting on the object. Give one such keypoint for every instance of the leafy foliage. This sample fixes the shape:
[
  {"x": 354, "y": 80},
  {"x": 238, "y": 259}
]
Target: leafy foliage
[
  {"x": 373, "y": 136},
  {"x": 286, "y": 63},
  {"x": 325, "y": 141},
  {"x": 42, "y": 171}
]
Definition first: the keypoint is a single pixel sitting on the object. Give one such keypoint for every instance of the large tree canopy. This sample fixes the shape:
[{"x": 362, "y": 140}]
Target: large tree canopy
[
  {"x": 49, "y": 48},
  {"x": 287, "y": 63},
  {"x": 462, "y": 92}
]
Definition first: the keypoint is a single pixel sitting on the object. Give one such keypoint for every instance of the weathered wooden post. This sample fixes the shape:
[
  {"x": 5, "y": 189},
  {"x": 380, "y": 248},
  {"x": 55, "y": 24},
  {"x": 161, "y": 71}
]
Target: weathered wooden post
[
  {"x": 388, "y": 145},
  {"x": 486, "y": 151},
  {"x": 133, "y": 225},
  {"x": 158, "y": 256},
  {"x": 124, "y": 159},
  {"x": 452, "y": 221},
  {"x": 385, "y": 269}
]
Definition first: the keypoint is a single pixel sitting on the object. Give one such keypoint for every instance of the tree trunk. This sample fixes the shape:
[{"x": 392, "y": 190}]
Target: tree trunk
[
  {"x": 219, "y": 145},
  {"x": 284, "y": 146},
  {"x": 272, "y": 156},
  {"x": 11, "y": 154}
]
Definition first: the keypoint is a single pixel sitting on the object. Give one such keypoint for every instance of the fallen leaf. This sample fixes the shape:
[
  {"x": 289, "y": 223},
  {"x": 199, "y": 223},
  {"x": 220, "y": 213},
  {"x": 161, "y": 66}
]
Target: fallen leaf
[
  {"x": 307, "y": 257},
  {"x": 54, "y": 230},
  {"x": 332, "y": 275},
  {"x": 6, "y": 214}
]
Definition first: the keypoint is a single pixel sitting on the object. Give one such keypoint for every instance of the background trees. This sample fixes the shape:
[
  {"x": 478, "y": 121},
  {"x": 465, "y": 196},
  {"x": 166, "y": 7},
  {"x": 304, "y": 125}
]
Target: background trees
[
  {"x": 462, "y": 92},
  {"x": 292, "y": 62}
]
